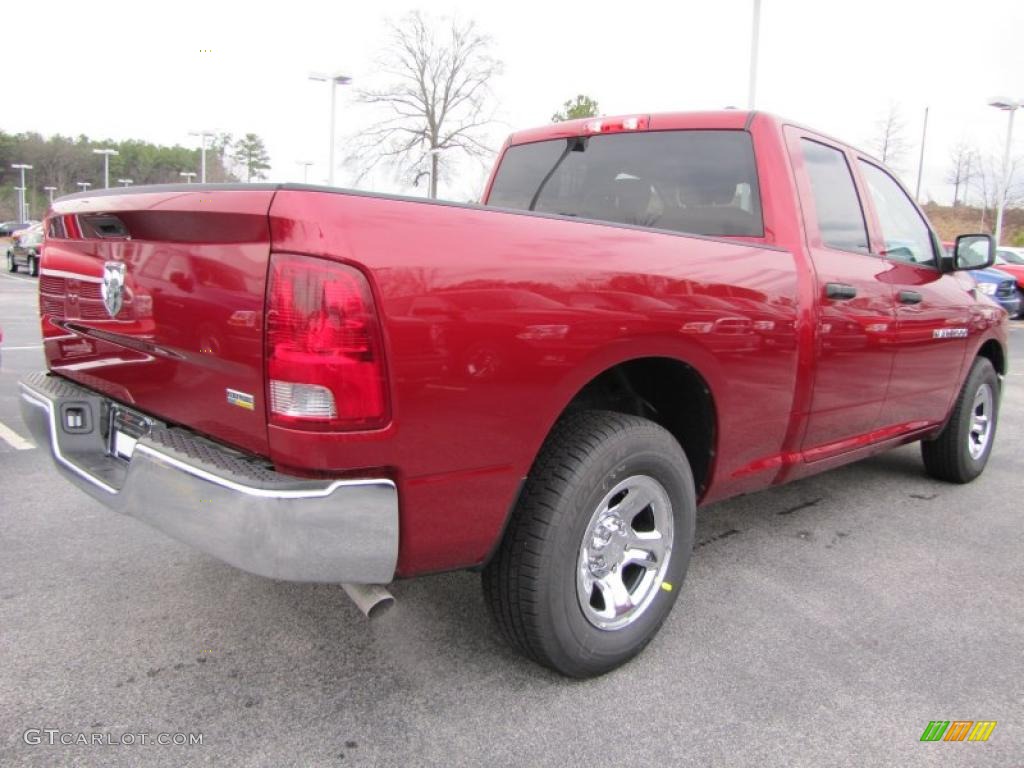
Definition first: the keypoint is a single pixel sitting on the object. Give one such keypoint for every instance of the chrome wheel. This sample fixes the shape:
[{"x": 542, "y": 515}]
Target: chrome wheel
[
  {"x": 624, "y": 553},
  {"x": 980, "y": 433}
]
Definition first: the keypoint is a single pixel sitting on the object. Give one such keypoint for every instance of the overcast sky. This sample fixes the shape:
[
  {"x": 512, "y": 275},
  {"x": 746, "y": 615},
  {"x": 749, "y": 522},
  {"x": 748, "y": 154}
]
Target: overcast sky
[{"x": 140, "y": 70}]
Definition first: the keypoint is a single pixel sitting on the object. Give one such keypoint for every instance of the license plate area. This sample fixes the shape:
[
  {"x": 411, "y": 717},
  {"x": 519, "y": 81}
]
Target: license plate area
[{"x": 125, "y": 428}]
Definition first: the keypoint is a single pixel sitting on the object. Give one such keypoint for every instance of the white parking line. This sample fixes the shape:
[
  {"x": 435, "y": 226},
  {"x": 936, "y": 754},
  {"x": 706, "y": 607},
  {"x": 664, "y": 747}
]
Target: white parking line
[
  {"x": 19, "y": 278},
  {"x": 13, "y": 439},
  {"x": 15, "y": 349}
]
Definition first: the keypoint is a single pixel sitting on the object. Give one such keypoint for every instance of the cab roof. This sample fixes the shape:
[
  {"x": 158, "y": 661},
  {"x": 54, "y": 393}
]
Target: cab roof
[{"x": 723, "y": 119}]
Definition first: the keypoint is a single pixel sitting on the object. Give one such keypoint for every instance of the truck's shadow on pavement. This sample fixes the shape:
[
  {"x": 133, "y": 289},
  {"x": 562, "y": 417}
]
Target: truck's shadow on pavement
[{"x": 440, "y": 629}]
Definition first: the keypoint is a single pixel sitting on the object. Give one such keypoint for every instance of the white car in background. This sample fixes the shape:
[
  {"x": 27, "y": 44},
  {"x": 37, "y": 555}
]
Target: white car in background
[{"x": 24, "y": 250}]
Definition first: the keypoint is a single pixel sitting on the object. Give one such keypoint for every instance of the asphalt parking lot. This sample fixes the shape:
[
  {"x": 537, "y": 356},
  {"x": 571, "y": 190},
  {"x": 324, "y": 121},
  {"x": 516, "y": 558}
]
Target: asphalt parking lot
[{"x": 823, "y": 623}]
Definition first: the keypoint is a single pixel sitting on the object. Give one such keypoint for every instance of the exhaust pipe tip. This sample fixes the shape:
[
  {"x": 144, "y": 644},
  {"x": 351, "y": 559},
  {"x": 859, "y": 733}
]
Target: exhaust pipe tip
[{"x": 372, "y": 599}]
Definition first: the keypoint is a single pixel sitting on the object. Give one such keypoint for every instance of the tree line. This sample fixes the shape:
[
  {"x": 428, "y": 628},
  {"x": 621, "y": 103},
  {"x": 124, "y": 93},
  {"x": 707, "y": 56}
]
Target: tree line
[{"x": 64, "y": 161}]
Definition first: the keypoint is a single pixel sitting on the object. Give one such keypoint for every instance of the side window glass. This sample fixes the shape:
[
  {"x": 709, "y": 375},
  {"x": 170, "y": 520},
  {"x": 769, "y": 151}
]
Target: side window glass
[
  {"x": 906, "y": 234},
  {"x": 840, "y": 217}
]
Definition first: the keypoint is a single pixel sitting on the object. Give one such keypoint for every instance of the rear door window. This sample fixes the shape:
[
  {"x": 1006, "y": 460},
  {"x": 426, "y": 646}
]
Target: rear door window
[
  {"x": 839, "y": 214},
  {"x": 700, "y": 182}
]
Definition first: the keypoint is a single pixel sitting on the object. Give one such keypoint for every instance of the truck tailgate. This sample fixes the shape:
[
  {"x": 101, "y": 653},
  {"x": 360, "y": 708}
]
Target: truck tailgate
[{"x": 185, "y": 341}]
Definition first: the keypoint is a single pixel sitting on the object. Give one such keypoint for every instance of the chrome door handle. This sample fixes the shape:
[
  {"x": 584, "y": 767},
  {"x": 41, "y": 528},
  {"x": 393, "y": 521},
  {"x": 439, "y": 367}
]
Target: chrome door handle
[{"x": 840, "y": 291}]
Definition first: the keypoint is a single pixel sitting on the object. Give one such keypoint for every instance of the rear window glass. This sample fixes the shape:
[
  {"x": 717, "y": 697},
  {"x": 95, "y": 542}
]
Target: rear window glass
[{"x": 700, "y": 182}]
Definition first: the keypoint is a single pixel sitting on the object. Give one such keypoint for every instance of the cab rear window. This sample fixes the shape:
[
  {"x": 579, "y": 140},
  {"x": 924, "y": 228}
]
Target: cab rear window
[{"x": 699, "y": 182}]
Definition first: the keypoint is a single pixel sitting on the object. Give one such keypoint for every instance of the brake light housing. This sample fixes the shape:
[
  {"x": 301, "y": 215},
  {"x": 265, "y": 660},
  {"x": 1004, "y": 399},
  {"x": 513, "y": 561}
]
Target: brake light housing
[
  {"x": 617, "y": 124},
  {"x": 325, "y": 354}
]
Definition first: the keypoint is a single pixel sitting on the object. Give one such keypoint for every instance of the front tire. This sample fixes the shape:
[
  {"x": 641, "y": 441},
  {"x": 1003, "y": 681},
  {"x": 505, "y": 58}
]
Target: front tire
[
  {"x": 11, "y": 266},
  {"x": 598, "y": 546},
  {"x": 32, "y": 266},
  {"x": 960, "y": 452}
]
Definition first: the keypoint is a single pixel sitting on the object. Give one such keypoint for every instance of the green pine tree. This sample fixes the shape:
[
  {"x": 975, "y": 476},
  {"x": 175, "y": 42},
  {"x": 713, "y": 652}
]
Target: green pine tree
[
  {"x": 250, "y": 153},
  {"x": 582, "y": 106}
]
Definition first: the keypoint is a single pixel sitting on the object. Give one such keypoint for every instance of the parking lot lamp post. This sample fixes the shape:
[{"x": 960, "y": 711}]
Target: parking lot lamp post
[
  {"x": 203, "y": 136},
  {"x": 920, "y": 161},
  {"x": 755, "y": 34},
  {"x": 106, "y": 164},
  {"x": 335, "y": 80},
  {"x": 50, "y": 191},
  {"x": 22, "y": 214},
  {"x": 84, "y": 185},
  {"x": 305, "y": 169},
  {"x": 1011, "y": 106},
  {"x": 125, "y": 182},
  {"x": 188, "y": 176},
  {"x": 434, "y": 154}
]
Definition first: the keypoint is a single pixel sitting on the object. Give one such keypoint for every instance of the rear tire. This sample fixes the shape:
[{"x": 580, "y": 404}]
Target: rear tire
[
  {"x": 604, "y": 484},
  {"x": 11, "y": 266},
  {"x": 960, "y": 452}
]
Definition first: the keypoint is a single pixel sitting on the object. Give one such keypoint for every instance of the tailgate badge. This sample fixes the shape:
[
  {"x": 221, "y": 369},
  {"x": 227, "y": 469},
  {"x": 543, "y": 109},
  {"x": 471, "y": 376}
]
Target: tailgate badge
[
  {"x": 112, "y": 288},
  {"x": 241, "y": 399}
]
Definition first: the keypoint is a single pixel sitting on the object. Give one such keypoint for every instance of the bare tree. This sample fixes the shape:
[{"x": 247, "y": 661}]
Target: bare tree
[
  {"x": 988, "y": 184},
  {"x": 970, "y": 171},
  {"x": 890, "y": 141},
  {"x": 436, "y": 100},
  {"x": 959, "y": 170}
]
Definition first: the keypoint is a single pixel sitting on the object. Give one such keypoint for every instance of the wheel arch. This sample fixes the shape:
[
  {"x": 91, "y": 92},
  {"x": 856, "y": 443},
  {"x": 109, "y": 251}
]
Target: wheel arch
[
  {"x": 669, "y": 391},
  {"x": 994, "y": 352}
]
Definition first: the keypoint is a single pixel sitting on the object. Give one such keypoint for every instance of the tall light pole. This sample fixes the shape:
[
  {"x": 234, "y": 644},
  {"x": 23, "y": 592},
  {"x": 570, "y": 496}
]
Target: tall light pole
[
  {"x": 188, "y": 175},
  {"x": 305, "y": 169},
  {"x": 920, "y": 162},
  {"x": 125, "y": 182},
  {"x": 84, "y": 185},
  {"x": 435, "y": 154},
  {"x": 21, "y": 195},
  {"x": 50, "y": 191},
  {"x": 335, "y": 80},
  {"x": 107, "y": 164},
  {"x": 1011, "y": 106},
  {"x": 430, "y": 173},
  {"x": 203, "y": 135},
  {"x": 22, "y": 207},
  {"x": 755, "y": 33}
]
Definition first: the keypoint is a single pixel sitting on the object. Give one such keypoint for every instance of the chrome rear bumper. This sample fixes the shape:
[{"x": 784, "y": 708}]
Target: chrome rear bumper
[{"x": 220, "y": 501}]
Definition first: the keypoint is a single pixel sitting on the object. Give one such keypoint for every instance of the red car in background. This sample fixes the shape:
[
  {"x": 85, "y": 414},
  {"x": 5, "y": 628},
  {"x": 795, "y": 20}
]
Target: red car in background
[{"x": 1011, "y": 261}]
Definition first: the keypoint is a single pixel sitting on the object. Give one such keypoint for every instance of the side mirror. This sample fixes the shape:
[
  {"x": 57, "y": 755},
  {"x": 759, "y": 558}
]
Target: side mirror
[{"x": 974, "y": 252}]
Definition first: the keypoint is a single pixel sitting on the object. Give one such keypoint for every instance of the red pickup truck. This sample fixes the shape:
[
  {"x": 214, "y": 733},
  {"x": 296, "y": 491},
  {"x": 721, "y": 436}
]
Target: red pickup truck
[{"x": 645, "y": 314}]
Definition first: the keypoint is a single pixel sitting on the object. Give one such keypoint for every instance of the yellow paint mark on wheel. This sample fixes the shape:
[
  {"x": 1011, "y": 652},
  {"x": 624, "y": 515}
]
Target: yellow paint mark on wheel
[{"x": 666, "y": 586}]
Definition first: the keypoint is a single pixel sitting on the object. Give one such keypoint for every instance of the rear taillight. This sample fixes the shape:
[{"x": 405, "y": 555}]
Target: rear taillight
[{"x": 325, "y": 366}]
